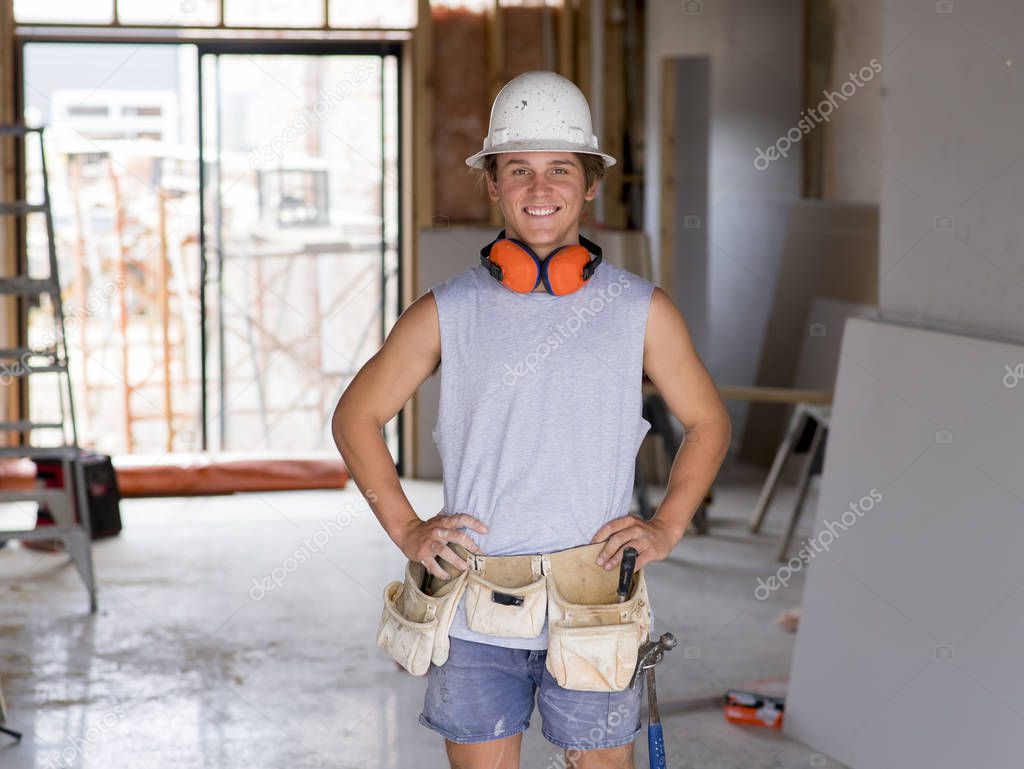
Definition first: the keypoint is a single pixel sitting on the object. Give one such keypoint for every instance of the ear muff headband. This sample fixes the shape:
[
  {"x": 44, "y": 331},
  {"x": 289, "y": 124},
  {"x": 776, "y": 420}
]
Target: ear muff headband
[{"x": 515, "y": 265}]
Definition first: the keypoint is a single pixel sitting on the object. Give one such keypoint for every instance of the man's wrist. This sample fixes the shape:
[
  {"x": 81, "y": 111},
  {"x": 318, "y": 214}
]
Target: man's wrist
[
  {"x": 674, "y": 529},
  {"x": 399, "y": 532}
]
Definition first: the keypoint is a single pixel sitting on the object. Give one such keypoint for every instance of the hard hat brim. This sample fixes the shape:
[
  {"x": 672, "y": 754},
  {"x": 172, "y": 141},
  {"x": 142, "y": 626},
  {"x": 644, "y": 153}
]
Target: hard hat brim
[{"x": 476, "y": 161}]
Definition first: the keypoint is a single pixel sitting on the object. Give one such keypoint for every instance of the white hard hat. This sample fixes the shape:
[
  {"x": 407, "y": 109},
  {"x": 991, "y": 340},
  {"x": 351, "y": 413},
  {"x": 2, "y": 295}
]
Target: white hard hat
[{"x": 539, "y": 111}]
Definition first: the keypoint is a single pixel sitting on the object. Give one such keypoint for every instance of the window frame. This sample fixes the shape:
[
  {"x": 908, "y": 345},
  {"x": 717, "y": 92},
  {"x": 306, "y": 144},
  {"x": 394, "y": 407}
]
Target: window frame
[{"x": 116, "y": 23}]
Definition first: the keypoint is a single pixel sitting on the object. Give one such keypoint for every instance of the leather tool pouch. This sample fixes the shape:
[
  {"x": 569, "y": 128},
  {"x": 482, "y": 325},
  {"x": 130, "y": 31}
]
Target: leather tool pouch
[
  {"x": 592, "y": 639},
  {"x": 506, "y": 597},
  {"x": 414, "y": 625}
]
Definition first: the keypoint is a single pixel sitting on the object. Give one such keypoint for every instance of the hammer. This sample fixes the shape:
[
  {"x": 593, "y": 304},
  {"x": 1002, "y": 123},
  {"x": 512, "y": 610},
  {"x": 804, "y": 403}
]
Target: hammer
[{"x": 649, "y": 655}]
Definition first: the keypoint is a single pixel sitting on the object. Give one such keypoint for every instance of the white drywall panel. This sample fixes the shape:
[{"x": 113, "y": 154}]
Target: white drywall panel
[{"x": 908, "y": 649}]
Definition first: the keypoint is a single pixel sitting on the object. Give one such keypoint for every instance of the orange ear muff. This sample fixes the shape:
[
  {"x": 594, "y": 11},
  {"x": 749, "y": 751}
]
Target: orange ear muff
[
  {"x": 563, "y": 270},
  {"x": 520, "y": 270},
  {"x": 515, "y": 265}
]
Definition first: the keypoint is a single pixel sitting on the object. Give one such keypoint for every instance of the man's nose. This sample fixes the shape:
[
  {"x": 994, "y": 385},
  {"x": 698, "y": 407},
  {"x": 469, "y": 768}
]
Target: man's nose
[{"x": 540, "y": 183}]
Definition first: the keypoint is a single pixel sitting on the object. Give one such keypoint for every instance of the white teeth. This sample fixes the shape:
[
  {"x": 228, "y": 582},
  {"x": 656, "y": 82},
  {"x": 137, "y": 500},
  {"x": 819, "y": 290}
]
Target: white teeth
[{"x": 537, "y": 211}]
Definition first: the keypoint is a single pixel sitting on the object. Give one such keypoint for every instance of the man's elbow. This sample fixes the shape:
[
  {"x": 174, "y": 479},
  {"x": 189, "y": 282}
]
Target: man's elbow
[
  {"x": 352, "y": 410},
  {"x": 724, "y": 424},
  {"x": 338, "y": 426},
  {"x": 713, "y": 428},
  {"x": 346, "y": 414}
]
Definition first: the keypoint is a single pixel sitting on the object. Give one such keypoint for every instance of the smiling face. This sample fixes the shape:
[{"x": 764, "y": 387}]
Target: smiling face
[{"x": 541, "y": 195}]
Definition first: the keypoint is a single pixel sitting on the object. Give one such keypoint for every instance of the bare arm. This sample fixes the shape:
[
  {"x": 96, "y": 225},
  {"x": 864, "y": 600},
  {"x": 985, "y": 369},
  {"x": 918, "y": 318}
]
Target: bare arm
[
  {"x": 375, "y": 395},
  {"x": 672, "y": 363}
]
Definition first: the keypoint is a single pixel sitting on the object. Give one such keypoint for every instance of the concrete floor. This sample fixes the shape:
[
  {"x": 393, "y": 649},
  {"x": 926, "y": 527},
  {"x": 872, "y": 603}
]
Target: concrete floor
[{"x": 192, "y": 662}]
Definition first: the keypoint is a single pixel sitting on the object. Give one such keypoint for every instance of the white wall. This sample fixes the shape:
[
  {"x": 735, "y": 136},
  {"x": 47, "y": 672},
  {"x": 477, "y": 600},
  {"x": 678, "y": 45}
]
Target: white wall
[
  {"x": 756, "y": 81},
  {"x": 908, "y": 653},
  {"x": 953, "y": 124}
]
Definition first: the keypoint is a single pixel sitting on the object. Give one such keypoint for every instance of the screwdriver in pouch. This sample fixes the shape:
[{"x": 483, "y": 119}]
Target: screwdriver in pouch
[{"x": 626, "y": 569}]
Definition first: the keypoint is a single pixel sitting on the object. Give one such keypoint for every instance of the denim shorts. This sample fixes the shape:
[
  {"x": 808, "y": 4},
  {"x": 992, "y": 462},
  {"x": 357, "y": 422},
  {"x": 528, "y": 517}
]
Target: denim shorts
[{"x": 485, "y": 692}]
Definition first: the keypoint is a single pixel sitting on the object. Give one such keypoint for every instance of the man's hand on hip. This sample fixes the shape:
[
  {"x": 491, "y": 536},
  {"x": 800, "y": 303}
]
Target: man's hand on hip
[
  {"x": 426, "y": 541},
  {"x": 652, "y": 539}
]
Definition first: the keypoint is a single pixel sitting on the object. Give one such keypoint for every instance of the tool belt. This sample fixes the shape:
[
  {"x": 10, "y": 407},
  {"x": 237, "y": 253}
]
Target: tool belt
[{"x": 592, "y": 638}]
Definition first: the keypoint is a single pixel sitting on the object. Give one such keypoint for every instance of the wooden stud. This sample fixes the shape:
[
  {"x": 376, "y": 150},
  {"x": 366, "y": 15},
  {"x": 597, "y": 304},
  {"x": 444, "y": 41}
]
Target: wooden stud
[
  {"x": 495, "y": 73},
  {"x": 10, "y": 398},
  {"x": 565, "y": 31},
  {"x": 423, "y": 119},
  {"x": 819, "y": 37},
  {"x": 666, "y": 176},
  {"x": 581, "y": 34},
  {"x": 417, "y": 134},
  {"x": 613, "y": 112},
  {"x": 633, "y": 175}
]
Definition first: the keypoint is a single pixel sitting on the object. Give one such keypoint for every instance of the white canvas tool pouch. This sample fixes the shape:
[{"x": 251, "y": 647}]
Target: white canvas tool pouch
[
  {"x": 506, "y": 595},
  {"x": 414, "y": 625},
  {"x": 592, "y": 638}
]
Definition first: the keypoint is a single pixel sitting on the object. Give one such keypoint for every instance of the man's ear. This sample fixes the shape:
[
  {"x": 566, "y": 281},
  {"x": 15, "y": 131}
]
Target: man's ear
[
  {"x": 592, "y": 192},
  {"x": 492, "y": 189},
  {"x": 492, "y": 185}
]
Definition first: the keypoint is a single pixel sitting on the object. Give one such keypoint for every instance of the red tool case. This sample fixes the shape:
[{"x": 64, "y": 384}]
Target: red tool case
[{"x": 102, "y": 493}]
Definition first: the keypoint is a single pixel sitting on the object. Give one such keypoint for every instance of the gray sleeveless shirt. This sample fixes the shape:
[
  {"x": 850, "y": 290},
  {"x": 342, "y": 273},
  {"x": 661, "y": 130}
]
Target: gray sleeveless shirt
[{"x": 540, "y": 419}]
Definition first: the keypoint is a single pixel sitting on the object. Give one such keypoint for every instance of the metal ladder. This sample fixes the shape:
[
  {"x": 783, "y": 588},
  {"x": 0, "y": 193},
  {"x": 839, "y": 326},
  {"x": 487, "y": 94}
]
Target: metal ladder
[{"x": 23, "y": 362}]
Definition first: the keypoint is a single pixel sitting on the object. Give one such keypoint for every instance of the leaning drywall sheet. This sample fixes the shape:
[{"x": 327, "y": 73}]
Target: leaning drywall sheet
[{"x": 908, "y": 650}]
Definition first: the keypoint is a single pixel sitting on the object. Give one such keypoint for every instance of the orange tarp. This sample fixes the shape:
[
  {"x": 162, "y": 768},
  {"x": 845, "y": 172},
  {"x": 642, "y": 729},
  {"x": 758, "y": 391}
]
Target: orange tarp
[{"x": 200, "y": 474}]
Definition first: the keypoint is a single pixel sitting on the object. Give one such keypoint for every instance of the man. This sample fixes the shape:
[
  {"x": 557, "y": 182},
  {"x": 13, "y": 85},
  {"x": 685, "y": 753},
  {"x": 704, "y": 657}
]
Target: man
[{"x": 542, "y": 356}]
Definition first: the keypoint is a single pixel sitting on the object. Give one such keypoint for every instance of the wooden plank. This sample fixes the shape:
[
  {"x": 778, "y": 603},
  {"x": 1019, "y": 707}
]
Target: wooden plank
[
  {"x": 666, "y": 175},
  {"x": 564, "y": 17},
  {"x": 495, "y": 47},
  {"x": 613, "y": 112},
  {"x": 495, "y": 74},
  {"x": 408, "y": 245},
  {"x": 422, "y": 119},
  {"x": 417, "y": 134},
  {"x": 819, "y": 37},
  {"x": 528, "y": 41},
  {"x": 462, "y": 92},
  {"x": 634, "y": 118},
  {"x": 581, "y": 34},
  {"x": 756, "y": 394},
  {"x": 10, "y": 400}
]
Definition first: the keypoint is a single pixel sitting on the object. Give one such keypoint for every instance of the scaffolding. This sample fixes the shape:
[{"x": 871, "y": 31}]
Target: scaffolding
[{"x": 294, "y": 305}]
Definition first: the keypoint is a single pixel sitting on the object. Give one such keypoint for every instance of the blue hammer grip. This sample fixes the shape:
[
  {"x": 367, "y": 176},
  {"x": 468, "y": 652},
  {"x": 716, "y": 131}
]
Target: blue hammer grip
[{"x": 656, "y": 746}]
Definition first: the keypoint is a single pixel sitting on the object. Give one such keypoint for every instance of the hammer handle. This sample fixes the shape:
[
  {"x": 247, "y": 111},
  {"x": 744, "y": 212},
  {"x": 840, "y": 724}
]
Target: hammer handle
[
  {"x": 655, "y": 736},
  {"x": 656, "y": 746}
]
